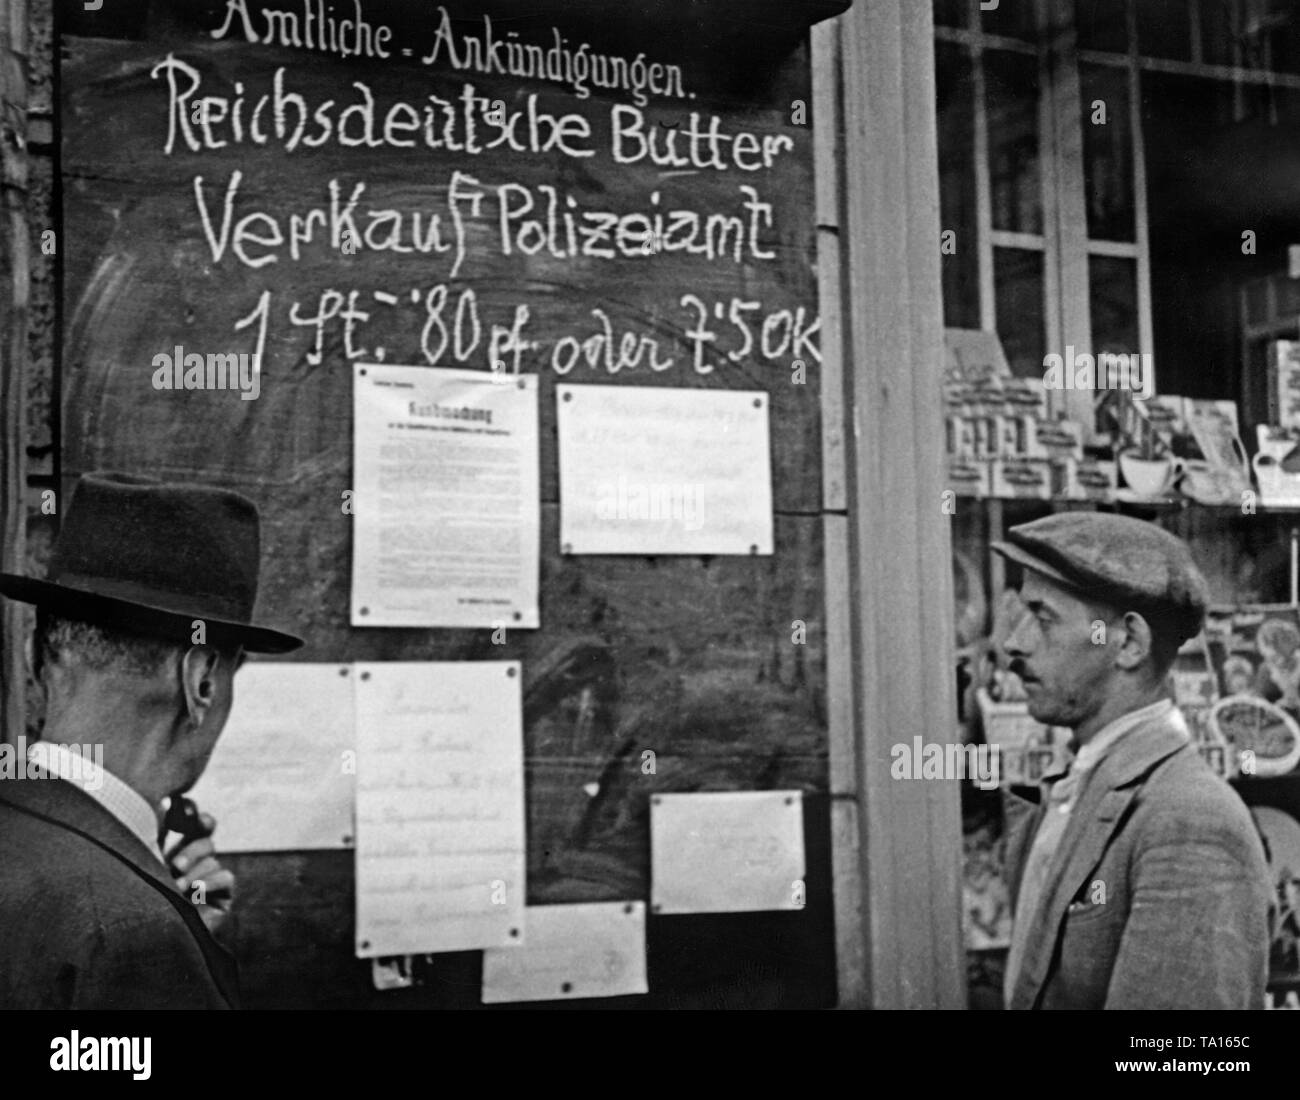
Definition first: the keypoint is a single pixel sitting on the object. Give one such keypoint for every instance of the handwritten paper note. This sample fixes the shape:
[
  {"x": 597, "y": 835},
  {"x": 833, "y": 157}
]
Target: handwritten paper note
[
  {"x": 726, "y": 852},
  {"x": 446, "y": 509},
  {"x": 571, "y": 951},
  {"x": 280, "y": 778},
  {"x": 663, "y": 471},
  {"x": 440, "y": 806}
]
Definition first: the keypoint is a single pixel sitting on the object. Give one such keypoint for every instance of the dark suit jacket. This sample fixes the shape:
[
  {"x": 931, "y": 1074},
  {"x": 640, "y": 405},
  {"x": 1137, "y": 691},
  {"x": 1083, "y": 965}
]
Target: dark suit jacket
[
  {"x": 89, "y": 917},
  {"x": 1179, "y": 863}
]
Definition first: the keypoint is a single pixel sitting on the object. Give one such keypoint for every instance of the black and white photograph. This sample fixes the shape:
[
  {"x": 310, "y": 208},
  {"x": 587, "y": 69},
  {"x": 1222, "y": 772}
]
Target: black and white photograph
[{"x": 544, "y": 506}]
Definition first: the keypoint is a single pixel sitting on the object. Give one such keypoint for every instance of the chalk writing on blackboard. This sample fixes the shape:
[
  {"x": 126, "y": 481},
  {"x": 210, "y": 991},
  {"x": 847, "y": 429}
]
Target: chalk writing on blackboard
[
  {"x": 573, "y": 65},
  {"x": 468, "y": 222},
  {"x": 565, "y": 234}
]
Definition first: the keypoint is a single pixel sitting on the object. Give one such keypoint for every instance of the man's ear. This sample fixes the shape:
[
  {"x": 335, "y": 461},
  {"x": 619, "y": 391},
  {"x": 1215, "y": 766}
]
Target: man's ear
[
  {"x": 198, "y": 680},
  {"x": 1137, "y": 641}
]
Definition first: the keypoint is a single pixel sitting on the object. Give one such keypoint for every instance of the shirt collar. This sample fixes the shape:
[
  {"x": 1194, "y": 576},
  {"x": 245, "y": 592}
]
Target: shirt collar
[
  {"x": 1104, "y": 740},
  {"x": 130, "y": 807}
]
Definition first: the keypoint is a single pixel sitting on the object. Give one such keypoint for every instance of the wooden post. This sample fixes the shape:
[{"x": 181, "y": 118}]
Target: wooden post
[
  {"x": 852, "y": 964},
  {"x": 13, "y": 350},
  {"x": 900, "y": 550},
  {"x": 1073, "y": 327}
]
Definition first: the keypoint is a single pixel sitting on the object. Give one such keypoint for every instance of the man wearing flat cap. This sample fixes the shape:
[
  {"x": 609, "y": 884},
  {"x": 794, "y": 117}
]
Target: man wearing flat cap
[
  {"x": 1140, "y": 880},
  {"x": 141, "y": 623}
]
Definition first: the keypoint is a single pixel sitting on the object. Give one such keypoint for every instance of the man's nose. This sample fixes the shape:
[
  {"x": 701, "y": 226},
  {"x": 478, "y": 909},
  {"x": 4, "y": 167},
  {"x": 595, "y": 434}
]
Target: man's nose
[{"x": 1015, "y": 643}]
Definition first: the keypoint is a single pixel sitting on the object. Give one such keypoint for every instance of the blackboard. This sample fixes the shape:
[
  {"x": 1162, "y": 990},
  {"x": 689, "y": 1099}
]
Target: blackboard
[{"x": 557, "y": 232}]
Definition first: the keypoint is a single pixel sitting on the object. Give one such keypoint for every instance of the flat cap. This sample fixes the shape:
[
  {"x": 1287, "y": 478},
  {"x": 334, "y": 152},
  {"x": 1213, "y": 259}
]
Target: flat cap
[{"x": 1127, "y": 563}]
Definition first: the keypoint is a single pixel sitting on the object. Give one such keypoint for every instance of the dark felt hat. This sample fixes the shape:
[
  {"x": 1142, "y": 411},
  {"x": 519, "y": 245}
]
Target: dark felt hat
[
  {"x": 1127, "y": 563},
  {"x": 150, "y": 558}
]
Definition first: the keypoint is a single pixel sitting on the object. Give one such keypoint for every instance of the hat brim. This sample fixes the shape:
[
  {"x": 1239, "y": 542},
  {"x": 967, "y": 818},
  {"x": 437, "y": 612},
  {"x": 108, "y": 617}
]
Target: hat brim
[
  {"x": 142, "y": 618},
  {"x": 1088, "y": 588},
  {"x": 1020, "y": 556}
]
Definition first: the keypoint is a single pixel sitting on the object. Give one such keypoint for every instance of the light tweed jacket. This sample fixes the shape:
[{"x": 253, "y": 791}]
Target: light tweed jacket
[{"x": 1175, "y": 855}]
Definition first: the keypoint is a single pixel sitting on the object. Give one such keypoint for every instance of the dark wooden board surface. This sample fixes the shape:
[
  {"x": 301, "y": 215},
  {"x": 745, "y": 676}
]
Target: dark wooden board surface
[
  {"x": 292, "y": 934},
  {"x": 691, "y": 658}
]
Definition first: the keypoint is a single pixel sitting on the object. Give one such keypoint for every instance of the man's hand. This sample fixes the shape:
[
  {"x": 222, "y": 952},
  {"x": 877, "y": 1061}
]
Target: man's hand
[{"x": 202, "y": 878}]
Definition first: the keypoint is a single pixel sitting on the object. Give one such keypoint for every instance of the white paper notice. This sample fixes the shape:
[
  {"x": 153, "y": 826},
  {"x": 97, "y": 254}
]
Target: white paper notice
[
  {"x": 446, "y": 510},
  {"x": 729, "y": 852},
  {"x": 440, "y": 806},
  {"x": 663, "y": 471},
  {"x": 279, "y": 779},
  {"x": 571, "y": 951}
]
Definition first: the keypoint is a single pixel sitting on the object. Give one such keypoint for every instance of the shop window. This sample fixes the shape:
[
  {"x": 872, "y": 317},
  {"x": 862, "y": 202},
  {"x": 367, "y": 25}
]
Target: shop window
[
  {"x": 954, "y": 78},
  {"x": 1107, "y": 153},
  {"x": 1021, "y": 317},
  {"x": 1102, "y": 24},
  {"x": 1143, "y": 251},
  {"x": 1011, "y": 93}
]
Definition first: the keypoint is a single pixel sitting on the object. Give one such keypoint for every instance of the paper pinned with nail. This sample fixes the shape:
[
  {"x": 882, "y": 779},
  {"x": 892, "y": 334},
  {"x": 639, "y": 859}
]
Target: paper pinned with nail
[
  {"x": 440, "y": 806},
  {"x": 446, "y": 522},
  {"x": 282, "y": 775},
  {"x": 726, "y": 852},
  {"x": 570, "y": 952},
  {"x": 652, "y": 470}
]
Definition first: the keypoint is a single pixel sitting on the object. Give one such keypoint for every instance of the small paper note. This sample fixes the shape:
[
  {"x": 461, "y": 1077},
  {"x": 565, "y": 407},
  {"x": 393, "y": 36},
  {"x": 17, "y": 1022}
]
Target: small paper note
[
  {"x": 726, "y": 852},
  {"x": 571, "y": 951},
  {"x": 649, "y": 470},
  {"x": 440, "y": 806},
  {"x": 283, "y": 773}
]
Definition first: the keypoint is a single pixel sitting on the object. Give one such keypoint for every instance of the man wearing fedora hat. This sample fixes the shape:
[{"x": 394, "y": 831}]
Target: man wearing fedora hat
[
  {"x": 141, "y": 623},
  {"x": 1139, "y": 881}
]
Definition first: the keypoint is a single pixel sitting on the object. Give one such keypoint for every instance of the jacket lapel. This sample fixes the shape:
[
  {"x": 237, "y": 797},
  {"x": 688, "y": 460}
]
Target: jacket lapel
[
  {"x": 1020, "y": 821},
  {"x": 1093, "y": 821},
  {"x": 66, "y": 806}
]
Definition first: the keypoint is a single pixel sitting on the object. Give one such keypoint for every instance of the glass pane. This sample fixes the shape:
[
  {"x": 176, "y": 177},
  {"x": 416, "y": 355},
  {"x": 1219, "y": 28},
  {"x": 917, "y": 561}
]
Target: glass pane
[
  {"x": 951, "y": 13},
  {"x": 1288, "y": 298},
  {"x": 1112, "y": 292},
  {"x": 1011, "y": 92},
  {"x": 1284, "y": 37},
  {"x": 1112, "y": 287},
  {"x": 956, "y": 118},
  {"x": 1022, "y": 327},
  {"x": 1180, "y": 115},
  {"x": 1256, "y": 34},
  {"x": 1254, "y": 387},
  {"x": 1218, "y": 32},
  {"x": 1012, "y": 19},
  {"x": 1165, "y": 29},
  {"x": 1102, "y": 24},
  {"x": 1256, "y": 301},
  {"x": 1107, "y": 153}
]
